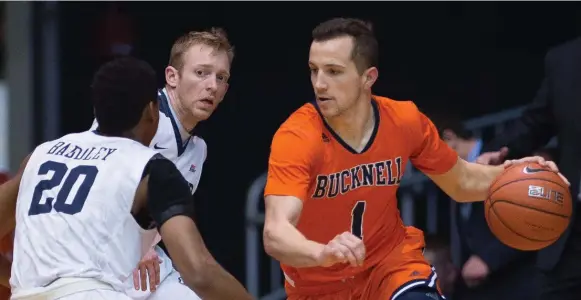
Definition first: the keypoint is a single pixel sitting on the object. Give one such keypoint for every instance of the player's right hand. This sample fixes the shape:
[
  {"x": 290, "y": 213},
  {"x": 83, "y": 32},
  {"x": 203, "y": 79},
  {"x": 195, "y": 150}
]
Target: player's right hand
[
  {"x": 344, "y": 248},
  {"x": 493, "y": 158},
  {"x": 148, "y": 268}
]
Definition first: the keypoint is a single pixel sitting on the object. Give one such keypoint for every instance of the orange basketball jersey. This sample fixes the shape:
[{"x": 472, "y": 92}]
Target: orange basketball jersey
[{"x": 343, "y": 190}]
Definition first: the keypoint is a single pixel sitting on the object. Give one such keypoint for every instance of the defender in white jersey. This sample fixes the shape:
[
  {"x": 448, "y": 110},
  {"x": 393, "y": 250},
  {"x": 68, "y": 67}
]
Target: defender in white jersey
[
  {"x": 196, "y": 82},
  {"x": 77, "y": 200}
]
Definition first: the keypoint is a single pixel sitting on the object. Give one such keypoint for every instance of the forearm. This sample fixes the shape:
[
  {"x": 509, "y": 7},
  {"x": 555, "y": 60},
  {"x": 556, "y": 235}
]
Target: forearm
[
  {"x": 476, "y": 182},
  {"x": 287, "y": 244}
]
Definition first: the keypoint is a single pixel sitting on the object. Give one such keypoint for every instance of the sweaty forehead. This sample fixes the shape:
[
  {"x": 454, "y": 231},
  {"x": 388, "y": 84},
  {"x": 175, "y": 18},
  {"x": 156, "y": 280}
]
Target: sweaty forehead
[{"x": 331, "y": 52}]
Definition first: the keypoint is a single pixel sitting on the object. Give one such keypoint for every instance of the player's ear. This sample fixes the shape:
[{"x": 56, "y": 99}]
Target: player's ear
[
  {"x": 369, "y": 77},
  {"x": 172, "y": 76}
]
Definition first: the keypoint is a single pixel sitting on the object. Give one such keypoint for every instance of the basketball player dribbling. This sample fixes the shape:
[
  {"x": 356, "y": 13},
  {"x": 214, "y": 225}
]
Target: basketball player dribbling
[
  {"x": 75, "y": 201},
  {"x": 334, "y": 169}
]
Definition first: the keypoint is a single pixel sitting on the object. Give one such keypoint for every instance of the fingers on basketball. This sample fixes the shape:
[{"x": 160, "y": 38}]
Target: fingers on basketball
[{"x": 528, "y": 206}]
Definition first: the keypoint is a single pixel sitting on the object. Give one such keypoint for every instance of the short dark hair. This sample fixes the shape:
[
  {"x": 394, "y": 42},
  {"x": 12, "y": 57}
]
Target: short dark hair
[
  {"x": 121, "y": 89},
  {"x": 365, "y": 52}
]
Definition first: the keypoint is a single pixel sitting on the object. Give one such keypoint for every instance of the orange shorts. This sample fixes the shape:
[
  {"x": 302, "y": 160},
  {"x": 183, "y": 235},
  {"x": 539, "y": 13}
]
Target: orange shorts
[{"x": 403, "y": 269}]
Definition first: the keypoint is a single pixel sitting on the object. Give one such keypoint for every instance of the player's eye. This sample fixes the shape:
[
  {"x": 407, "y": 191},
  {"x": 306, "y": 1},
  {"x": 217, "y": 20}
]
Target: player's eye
[
  {"x": 222, "y": 78},
  {"x": 334, "y": 72},
  {"x": 200, "y": 73}
]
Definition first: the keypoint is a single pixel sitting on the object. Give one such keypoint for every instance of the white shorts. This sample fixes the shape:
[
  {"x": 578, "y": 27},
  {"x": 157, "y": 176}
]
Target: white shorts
[
  {"x": 173, "y": 287},
  {"x": 170, "y": 287},
  {"x": 96, "y": 295}
]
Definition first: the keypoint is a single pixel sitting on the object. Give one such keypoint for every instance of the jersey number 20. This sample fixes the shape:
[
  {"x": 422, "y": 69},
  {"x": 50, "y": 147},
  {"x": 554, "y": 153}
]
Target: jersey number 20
[{"x": 60, "y": 204}]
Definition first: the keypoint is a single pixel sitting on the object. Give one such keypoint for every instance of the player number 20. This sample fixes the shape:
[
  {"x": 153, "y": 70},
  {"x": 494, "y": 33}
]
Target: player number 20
[
  {"x": 60, "y": 203},
  {"x": 357, "y": 219}
]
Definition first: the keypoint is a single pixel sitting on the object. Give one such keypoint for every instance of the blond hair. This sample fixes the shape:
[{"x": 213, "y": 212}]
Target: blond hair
[{"x": 215, "y": 38}]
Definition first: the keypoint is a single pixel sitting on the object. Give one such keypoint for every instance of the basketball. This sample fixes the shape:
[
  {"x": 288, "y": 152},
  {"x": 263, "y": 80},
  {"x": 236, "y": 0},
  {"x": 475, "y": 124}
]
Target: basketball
[{"x": 528, "y": 206}]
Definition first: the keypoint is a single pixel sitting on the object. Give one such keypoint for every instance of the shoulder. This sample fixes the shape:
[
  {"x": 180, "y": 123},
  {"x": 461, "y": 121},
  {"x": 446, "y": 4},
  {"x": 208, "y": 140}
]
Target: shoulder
[
  {"x": 402, "y": 113},
  {"x": 200, "y": 146},
  {"x": 304, "y": 126}
]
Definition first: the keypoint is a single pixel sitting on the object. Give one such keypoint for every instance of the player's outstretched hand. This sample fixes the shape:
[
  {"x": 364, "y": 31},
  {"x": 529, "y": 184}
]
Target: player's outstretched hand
[
  {"x": 148, "y": 267},
  {"x": 539, "y": 160},
  {"x": 493, "y": 158},
  {"x": 344, "y": 248}
]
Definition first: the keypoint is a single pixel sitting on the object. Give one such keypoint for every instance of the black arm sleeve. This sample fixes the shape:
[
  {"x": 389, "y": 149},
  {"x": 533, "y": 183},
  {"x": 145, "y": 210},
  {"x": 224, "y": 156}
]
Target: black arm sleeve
[{"x": 168, "y": 192}]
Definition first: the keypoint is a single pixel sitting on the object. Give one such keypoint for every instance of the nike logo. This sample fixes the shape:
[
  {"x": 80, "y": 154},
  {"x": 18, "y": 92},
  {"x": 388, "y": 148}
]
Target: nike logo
[
  {"x": 156, "y": 147},
  {"x": 529, "y": 170}
]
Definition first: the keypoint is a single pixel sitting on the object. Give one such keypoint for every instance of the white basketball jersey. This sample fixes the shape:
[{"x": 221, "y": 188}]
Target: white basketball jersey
[
  {"x": 73, "y": 215},
  {"x": 189, "y": 155}
]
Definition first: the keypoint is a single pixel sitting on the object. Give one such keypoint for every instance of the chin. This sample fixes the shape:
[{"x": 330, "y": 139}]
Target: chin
[
  {"x": 201, "y": 114},
  {"x": 329, "y": 112}
]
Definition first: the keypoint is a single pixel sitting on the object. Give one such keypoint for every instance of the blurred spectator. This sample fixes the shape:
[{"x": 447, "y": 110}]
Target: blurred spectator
[
  {"x": 487, "y": 268},
  {"x": 554, "y": 112},
  {"x": 549, "y": 153},
  {"x": 437, "y": 253},
  {"x": 115, "y": 33}
]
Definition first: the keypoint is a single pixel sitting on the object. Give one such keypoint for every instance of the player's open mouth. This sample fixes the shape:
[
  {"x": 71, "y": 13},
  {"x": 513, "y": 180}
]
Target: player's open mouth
[
  {"x": 207, "y": 101},
  {"x": 323, "y": 99}
]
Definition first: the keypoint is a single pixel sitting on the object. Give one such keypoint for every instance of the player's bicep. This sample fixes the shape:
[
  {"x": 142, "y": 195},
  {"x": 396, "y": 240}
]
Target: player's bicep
[
  {"x": 429, "y": 153},
  {"x": 282, "y": 209},
  {"x": 168, "y": 193},
  {"x": 171, "y": 206}
]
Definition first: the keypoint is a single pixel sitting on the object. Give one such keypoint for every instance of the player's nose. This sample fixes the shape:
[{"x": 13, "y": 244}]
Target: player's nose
[
  {"x": 319, "y": 84},
  {"x": 212, "y": 84}
]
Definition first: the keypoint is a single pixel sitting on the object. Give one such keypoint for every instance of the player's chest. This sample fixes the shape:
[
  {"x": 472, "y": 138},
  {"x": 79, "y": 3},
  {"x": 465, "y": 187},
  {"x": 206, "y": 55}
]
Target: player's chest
[
  {"x": 189, "y": 161},
  {"x": 358, "y": 175}
]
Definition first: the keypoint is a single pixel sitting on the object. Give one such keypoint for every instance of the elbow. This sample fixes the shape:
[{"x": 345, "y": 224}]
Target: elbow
[
  {"x": 199, "y": 276},
  {"x": 271, "y": 242}
]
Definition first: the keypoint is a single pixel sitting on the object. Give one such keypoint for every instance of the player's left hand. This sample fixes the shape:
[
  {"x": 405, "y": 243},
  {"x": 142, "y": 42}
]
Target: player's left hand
[
  {"x": 536, "y": 159},
  {"x": 148, "y": 267},
  {"x": 475, "y": 270}
]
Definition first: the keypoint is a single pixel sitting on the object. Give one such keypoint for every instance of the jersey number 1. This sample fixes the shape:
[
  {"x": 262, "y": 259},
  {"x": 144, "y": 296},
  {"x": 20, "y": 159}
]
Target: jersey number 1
[
  {"x": 357, "y": 219},
  {"x": 60, "y": 204}
]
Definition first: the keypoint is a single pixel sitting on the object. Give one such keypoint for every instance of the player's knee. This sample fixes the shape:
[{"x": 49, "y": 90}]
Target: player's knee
[{"x": 421, "y": 293}]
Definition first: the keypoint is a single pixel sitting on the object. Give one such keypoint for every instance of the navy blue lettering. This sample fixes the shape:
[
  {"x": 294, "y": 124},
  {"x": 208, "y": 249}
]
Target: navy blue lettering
[
  {"x": 60, "y": 204},
  {"x": 382, "y": 173},
  {"x": 78, "y": 153}
]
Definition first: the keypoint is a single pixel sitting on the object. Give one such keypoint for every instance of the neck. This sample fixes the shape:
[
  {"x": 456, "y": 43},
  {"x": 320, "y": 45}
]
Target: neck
[
  {"x": 356, "y": 124},
  {"x": 129, "y": 134},
  {"x": 183, "y": 114}
]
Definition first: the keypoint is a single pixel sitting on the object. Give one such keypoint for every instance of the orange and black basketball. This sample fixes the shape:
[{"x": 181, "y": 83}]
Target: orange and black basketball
[{"x": 528, "y": 206}]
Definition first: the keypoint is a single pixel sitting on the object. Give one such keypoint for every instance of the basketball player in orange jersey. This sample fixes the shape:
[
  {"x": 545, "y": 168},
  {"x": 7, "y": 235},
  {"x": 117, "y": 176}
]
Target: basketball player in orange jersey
[{"x": 334, "y": 168}]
